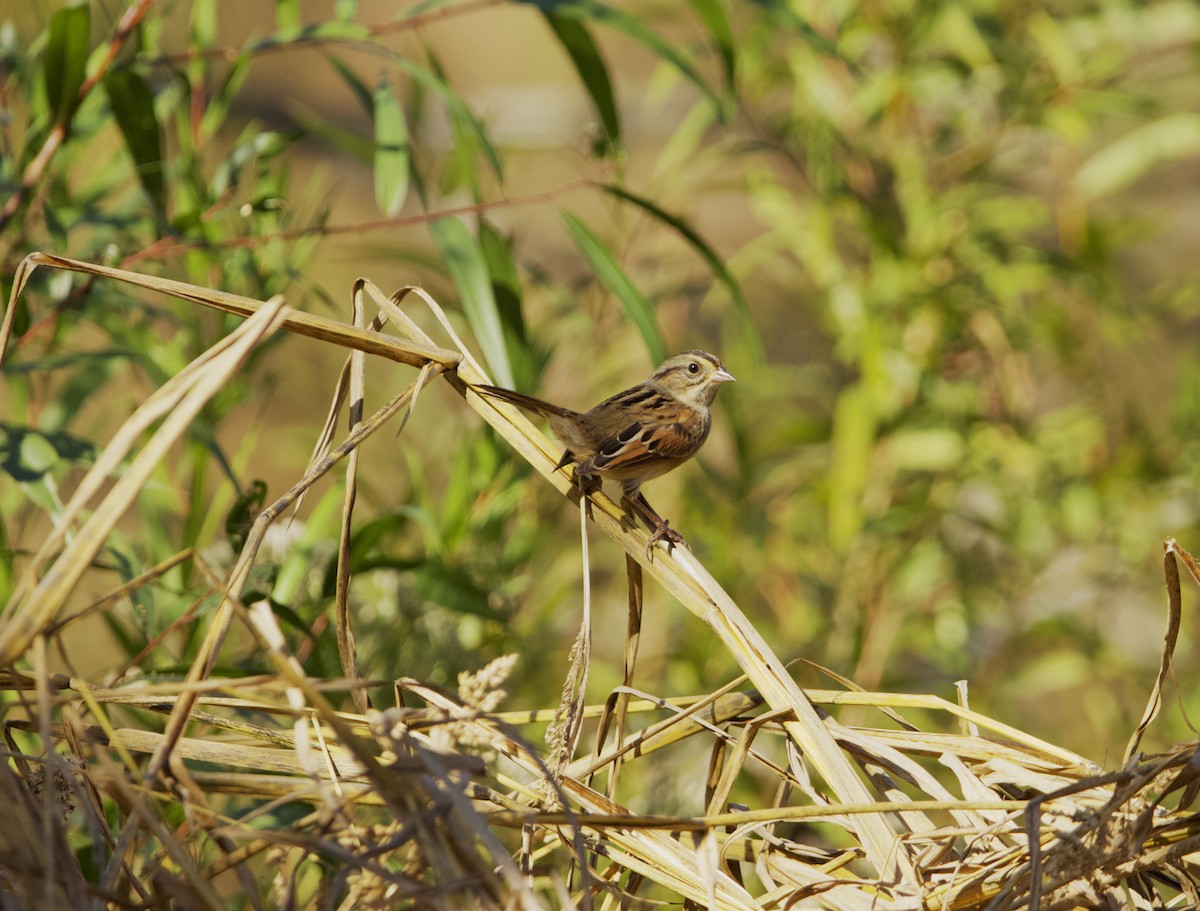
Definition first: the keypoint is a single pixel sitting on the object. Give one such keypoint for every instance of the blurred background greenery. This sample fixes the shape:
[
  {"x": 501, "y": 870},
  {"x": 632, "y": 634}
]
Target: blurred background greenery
[{"x": 949, "y": 249}]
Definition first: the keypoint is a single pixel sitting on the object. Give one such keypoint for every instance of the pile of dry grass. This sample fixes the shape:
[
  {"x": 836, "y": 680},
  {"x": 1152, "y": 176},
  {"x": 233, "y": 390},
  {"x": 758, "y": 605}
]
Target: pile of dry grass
[{"x": 259, "y": 787}]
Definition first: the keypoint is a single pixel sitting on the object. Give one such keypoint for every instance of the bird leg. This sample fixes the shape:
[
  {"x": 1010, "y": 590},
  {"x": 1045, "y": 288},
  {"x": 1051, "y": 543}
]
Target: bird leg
[
  {"x": 587, "y": 483},
  {"x": 658, "y": 525}
]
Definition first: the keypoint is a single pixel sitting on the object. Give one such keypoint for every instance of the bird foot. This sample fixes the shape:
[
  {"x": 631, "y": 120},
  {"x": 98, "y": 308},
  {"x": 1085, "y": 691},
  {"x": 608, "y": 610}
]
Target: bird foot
[
  {"x": 587, "y": 483},
  {"x": 663, "y": 532}
]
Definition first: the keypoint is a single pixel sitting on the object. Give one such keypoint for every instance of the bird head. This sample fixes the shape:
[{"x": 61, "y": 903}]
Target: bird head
[{"x": 693, "y": 376}]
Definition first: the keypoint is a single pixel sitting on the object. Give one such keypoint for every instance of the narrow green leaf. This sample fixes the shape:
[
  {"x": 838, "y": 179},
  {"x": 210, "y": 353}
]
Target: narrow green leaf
[
  {"x": 853, "y": 442},
  {"x": 620, "y": 285},
  {"x": 360, "y": 89},
  {"x": 203, "y": 26},
  {"x": 297, "y": 564},
  {"x": 26, "y": 455},
  {"x": 133, "y": 108},
  {"x": 287, "y": 14},
  {"x": 1126, "y": 159},
  {"x": 502, "y": 269},
  {"x": 788, "y": 21},
  {"x": 506, "y": 286},
  {"x": 632, "y": 27},
  {"x": 220, "y": 100},
  {"x": 584, "y": 53},
  {"x": 469, "y": 136},
  {"x": 452, "y": 588},
  {"x": 712, "y": 14},
  {"x": 65, "y": 61},
  {"x": 313, "y": 33},
  {"x": 347, "y": 142},
  {"x": 719, "y": 270},
  {"x": 466, "y": 265},
  {"x": 391, "y": 150}
]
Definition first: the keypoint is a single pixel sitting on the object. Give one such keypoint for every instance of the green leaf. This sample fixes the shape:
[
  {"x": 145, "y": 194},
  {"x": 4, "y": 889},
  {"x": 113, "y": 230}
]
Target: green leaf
[
  {"x": 632, "y": 27},
  {"x": 26, "y": 454},
  {"x": 506, "y": 286},
  {"x": 454, "y": 589},
  {"x": 203, "y": 25},
  {"x": 712, "y": 13},
  {"x": 220, "y": 100},
  {"x": 466, "y": 265},
  {"x": 613, "y": 277},
  {"x": 243, "y": 512},
  {"x": 719, "y": 269},
  {"x": 133, "y": 108},
  {"x": 344, "y": 141},
  {"x": 366, "y": 540},
  {"x": 360, "y": 89},
  {"x": 287, "y": 14},
  {"x": 65, "y": 61},
  {"x": 314, "y": 33},
  {"x": 459, "y": 112},
  {"x": 853, "y": 442},
  {"x": 300, "y": 559},
  {"x": 578, "y": 43},
  {"x": 391, "y": 150},
  {"x": 1123, "y": 161}
]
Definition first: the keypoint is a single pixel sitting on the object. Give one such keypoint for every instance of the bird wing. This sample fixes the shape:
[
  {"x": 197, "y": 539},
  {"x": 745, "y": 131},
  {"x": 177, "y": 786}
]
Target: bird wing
[{"x": 643, "y": 443}]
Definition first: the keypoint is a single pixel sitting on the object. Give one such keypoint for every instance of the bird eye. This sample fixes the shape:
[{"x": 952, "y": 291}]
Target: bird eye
[{"x": 693, "y": 368}]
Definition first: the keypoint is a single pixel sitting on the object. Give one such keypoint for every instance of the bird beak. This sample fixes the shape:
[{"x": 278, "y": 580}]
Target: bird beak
[{"x": 723, "y": 376}]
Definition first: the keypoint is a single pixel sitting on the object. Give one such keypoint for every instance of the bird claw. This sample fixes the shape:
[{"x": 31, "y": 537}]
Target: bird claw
[
  {"x": 664, "y": 532},
  {"x": 587, "y": 483}
]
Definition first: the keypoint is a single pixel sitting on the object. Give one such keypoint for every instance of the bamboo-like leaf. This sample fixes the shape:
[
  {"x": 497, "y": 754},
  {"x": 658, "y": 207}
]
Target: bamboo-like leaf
[
  {"x": 632, "y": 27},
  {"x": 578, "y": 43},
  {"x": 460, "y": 113},
  {"x": 219, "y": 101},
  {"x": 619, "y": 284},
  {"x": 506, "y": 286},
  {"x": 688, "y": 233},
  {"x": 1124, "y": 160},
  {"x": 287, "y": 14},
  {"x": 65, "y": 61},
  {"x": 391, "y": 150},
  {"x": 464, "y": 260},
  {"x": 853, "y": 438},
  {"x": 362, "y": 92},
  {"x": 712, "y": 13},
  {"x": 133, "y": 108},
  {"x": 328, "y": 31}
]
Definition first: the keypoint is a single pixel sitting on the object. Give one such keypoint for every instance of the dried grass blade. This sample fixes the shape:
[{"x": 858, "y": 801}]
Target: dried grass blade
[
  {"x": 633, "y": 636},
  {"x": 812, "y": 734},
  {"x": 347, "y": 653},
  {"x": 1170, "y": 637},
  {"x": 21, "y": 623},
  {"x": 239, "y": 575},
  {"x": 298, "y": 322},
  {"x": 688, "y": 581},
  {"x": 161, "y": 403},
  {"x": 562, "y": 736}
]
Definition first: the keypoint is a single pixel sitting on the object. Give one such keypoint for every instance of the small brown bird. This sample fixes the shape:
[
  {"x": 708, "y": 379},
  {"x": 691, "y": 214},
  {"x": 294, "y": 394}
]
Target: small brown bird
[{"x": 640, "y": 433}]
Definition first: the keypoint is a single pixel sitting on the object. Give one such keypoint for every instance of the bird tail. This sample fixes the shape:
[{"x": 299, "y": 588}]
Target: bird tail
[{"x": 528, "y": 402}]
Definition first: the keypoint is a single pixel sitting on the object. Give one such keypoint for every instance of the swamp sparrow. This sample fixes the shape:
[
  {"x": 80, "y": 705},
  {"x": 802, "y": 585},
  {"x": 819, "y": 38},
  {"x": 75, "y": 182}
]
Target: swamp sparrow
[{"x": 638, "y": 434}]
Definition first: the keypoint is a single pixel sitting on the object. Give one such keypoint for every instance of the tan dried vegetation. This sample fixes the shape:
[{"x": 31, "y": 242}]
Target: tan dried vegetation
[{"x": 458, "y": 805}]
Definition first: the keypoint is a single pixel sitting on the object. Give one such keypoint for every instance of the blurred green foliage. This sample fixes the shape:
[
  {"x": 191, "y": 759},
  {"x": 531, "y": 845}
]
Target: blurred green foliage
[{"x": 916, "y": 232}]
